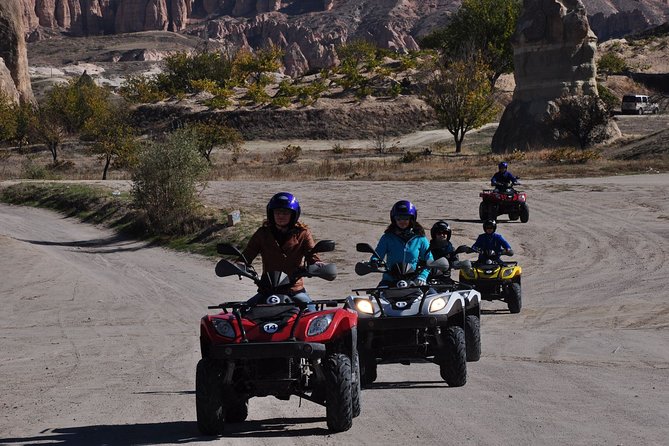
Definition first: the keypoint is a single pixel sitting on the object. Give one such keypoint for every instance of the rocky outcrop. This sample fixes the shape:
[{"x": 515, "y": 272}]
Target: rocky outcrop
[
  {"x": 308, "y": 29},
  {"x": 14, "y": 78},
  {"x": 364, "y": 121},
  {"x": 554, "y": 57}
]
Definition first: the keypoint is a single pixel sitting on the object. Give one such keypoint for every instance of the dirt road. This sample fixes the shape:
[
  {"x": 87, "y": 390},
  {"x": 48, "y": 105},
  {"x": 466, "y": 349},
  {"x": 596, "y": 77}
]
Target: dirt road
[{"x": 98, "y": 335}]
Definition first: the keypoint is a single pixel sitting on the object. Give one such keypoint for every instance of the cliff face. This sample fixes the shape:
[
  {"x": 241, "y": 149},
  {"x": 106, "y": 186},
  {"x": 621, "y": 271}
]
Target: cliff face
[
  {"x": 14, "y": 79},
  {"x": 307, "y": 29}
]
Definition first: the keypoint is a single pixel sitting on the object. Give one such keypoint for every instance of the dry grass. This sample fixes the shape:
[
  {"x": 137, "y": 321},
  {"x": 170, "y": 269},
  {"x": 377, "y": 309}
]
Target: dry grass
[{"x": 440, "y": 163}]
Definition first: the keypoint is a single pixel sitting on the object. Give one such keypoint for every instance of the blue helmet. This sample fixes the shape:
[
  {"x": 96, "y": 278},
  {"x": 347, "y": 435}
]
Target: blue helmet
[
  {"x": 403, "y": 207},
  {"x": 490, "y": 224},
  {"x": 283, "y": 200},
  {"x": 503, "y": 165}
]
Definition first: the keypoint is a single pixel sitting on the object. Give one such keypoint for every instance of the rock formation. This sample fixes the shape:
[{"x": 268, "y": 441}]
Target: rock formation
[
  {"x": 14, "y": 78},
  {"x": 308, "y": 29},
  {"x": 554, "y": 57}
]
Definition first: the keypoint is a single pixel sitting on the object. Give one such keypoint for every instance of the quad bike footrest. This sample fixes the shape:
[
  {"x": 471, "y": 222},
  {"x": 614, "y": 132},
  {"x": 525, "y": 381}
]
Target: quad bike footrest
[
  {"x": 257, "y": 350},
  {"x": 400, "y": 323}
]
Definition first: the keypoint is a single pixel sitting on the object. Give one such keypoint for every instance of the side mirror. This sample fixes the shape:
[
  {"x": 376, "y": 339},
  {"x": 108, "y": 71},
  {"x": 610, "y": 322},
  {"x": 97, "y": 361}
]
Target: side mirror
[
  {"x": 324, "y": 246},
  {"x": 225, "y": 268},
  {"x": 462, "y": 249},
  {"x": 365, "y": 247},
  {"x": 363, "y": 268},
  {"x": 227, "y": 249}
]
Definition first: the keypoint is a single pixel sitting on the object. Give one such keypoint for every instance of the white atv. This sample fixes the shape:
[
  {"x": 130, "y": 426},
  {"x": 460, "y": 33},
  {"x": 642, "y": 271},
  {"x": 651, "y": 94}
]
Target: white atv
[{"x": 405, "y": 323}]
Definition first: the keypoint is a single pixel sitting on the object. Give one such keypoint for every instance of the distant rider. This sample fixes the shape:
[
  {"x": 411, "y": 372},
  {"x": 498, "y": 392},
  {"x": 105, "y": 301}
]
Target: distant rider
[
  {"x": 489, "y": 241},
  {"x": 283, "y": 243},
  {"x": 503, "y": 178},
  {"x": 404, "y": 241}
]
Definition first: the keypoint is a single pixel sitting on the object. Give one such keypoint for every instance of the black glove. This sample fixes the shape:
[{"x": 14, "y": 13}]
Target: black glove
[{"x": 374, "y": 263}]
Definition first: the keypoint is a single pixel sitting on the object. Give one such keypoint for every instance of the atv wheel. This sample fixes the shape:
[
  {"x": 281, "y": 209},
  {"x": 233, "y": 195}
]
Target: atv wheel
[
  {"x": 514, "y": 298},
  {"x": 482, "y": 211},
  {"x": 524, "y": 213},
  {"x": 238, "y": 412},
  {"x": 513, "y": 216},
  {"x": 473, "y": 338},
  {"x": 452, "y": 358},
  {"x": 338, "y": 407},
  {"x": 208, "y": 401},
  {"x": 355, "y": 385},
  {"x": 368, "y": 372}
]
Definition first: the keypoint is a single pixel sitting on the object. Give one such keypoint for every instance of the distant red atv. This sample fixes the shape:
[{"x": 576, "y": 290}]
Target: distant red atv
[
  {"x": 277, "y": 348},
  {"x": 504, "y": 200}
]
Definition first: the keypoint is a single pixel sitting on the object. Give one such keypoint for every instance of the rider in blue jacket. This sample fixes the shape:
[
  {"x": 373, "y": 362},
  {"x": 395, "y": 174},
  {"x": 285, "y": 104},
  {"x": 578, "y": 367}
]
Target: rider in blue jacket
[
  {"x": 490, "y": 240},
  {"x": 503, "y": 178},
  {"x": 404, "y": 241}
]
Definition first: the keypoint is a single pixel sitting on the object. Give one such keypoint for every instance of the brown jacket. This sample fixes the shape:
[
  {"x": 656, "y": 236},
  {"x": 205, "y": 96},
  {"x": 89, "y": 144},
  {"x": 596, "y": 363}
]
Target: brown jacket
[{"x": 286, "y": 257}]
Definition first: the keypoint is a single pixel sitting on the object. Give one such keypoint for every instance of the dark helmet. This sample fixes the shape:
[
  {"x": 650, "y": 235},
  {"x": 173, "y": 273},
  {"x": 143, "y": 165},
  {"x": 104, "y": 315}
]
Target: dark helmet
[
  {"x": 503, "y": 165},
  {"x": 490, "y": 224},
  {"x": 283, "y": 200},
  {"x": 403, "y": 207},
  {"x": 441, "y": 226}
]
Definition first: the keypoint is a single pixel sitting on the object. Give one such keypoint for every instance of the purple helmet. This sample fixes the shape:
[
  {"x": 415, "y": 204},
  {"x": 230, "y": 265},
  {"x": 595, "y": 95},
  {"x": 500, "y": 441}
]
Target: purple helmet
[
  {"x": 403, "y": 207},
  {"x": 283, "y": 200},
  {"x": 503, "y": 165}
]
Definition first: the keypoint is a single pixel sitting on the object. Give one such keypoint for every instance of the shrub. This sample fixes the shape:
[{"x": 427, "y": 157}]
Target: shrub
[
  {"x": 611, "y": 63},
  {"x": 290, "y": 154},
  {"x": 410, "y": 157},
  {"x": 166, "y": 182},
  {"x": 572, "y": 156}
]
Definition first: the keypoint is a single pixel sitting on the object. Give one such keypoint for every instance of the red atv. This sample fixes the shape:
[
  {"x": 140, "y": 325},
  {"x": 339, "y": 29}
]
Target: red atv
[
  {"x": 504, "y": 200},
  {"x": 277, "y": 348}
]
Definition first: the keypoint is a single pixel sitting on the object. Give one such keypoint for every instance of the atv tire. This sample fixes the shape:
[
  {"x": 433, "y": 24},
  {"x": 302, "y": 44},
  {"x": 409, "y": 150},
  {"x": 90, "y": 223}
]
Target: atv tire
[
  {"x": 338, "y": 404},
  {"x": 208, "y": 398},
  {"x": 473, "y": 338},
  {"x": 514, "y": 298},
  {"x": 452, "y": 358},
  {"x": 513, "y": 216},
  {"x": 238, "y": 412},
  {"x": 483, "y": 211},
  {"x": 355, "y": 385},
  {"x": 368, "y": 372},
  {"x": 524, "y": 213}
]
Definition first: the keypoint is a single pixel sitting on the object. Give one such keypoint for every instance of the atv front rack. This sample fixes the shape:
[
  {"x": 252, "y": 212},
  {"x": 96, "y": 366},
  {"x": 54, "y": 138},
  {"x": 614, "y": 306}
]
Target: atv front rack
[{"x": 237, "y": 307}]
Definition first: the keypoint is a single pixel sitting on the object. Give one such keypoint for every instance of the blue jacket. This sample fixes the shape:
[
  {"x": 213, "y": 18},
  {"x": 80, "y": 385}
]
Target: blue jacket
[
  {"x": 493, "y": 241},
  {"x": 395, "y": 250},
  {"x": 503, "y": 178}
]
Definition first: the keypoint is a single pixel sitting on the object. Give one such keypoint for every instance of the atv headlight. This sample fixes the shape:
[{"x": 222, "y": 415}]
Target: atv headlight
[
  {"x": 437, "y": 304},
  {"x": 319, "y": 324},
  {"x": 223, "y": 328},
  {"x": 364, "y": 306},
  {"x": 507, "y": 272}
]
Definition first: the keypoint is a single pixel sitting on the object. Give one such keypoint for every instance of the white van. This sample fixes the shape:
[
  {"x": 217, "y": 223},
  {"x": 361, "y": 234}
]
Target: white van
[{"x": 638, "y": 104}]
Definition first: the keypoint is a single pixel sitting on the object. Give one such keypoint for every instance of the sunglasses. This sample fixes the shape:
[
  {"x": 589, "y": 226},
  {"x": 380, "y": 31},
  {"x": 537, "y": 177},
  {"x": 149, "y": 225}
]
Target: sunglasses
[{"x": 402, "y": 218}]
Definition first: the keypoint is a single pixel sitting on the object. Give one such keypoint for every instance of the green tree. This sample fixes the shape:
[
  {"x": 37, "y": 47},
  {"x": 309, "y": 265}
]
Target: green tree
[
  {"x": 47, "y": 127},
  {"x": 210, "y": 134},
  {"x": 461, "y": 96},
  {"x": 7, "y": 118},
  {"x": 611, "y": 63},
  {"x": 480, "y": 26},
  {"x": 76, "y": 101},
  {"x": 112, "y": 135},
  {"x": 256, "y": 64},
  {"x": 166, "y": 180}
]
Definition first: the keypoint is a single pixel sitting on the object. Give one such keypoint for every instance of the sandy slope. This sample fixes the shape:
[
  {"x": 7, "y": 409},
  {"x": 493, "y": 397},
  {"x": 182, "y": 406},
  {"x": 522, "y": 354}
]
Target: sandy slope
[{"x": 98, "y": 336}]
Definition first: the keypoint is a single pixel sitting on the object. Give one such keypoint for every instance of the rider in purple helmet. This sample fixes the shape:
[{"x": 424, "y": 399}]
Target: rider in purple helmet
[{"x": 283, "y": 242}]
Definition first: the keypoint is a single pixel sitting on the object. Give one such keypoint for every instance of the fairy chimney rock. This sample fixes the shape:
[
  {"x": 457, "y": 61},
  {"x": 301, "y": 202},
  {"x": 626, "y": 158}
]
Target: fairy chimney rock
[
  {"x": 554, "y": 56},
  {"x": 14, "y": 78}
]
